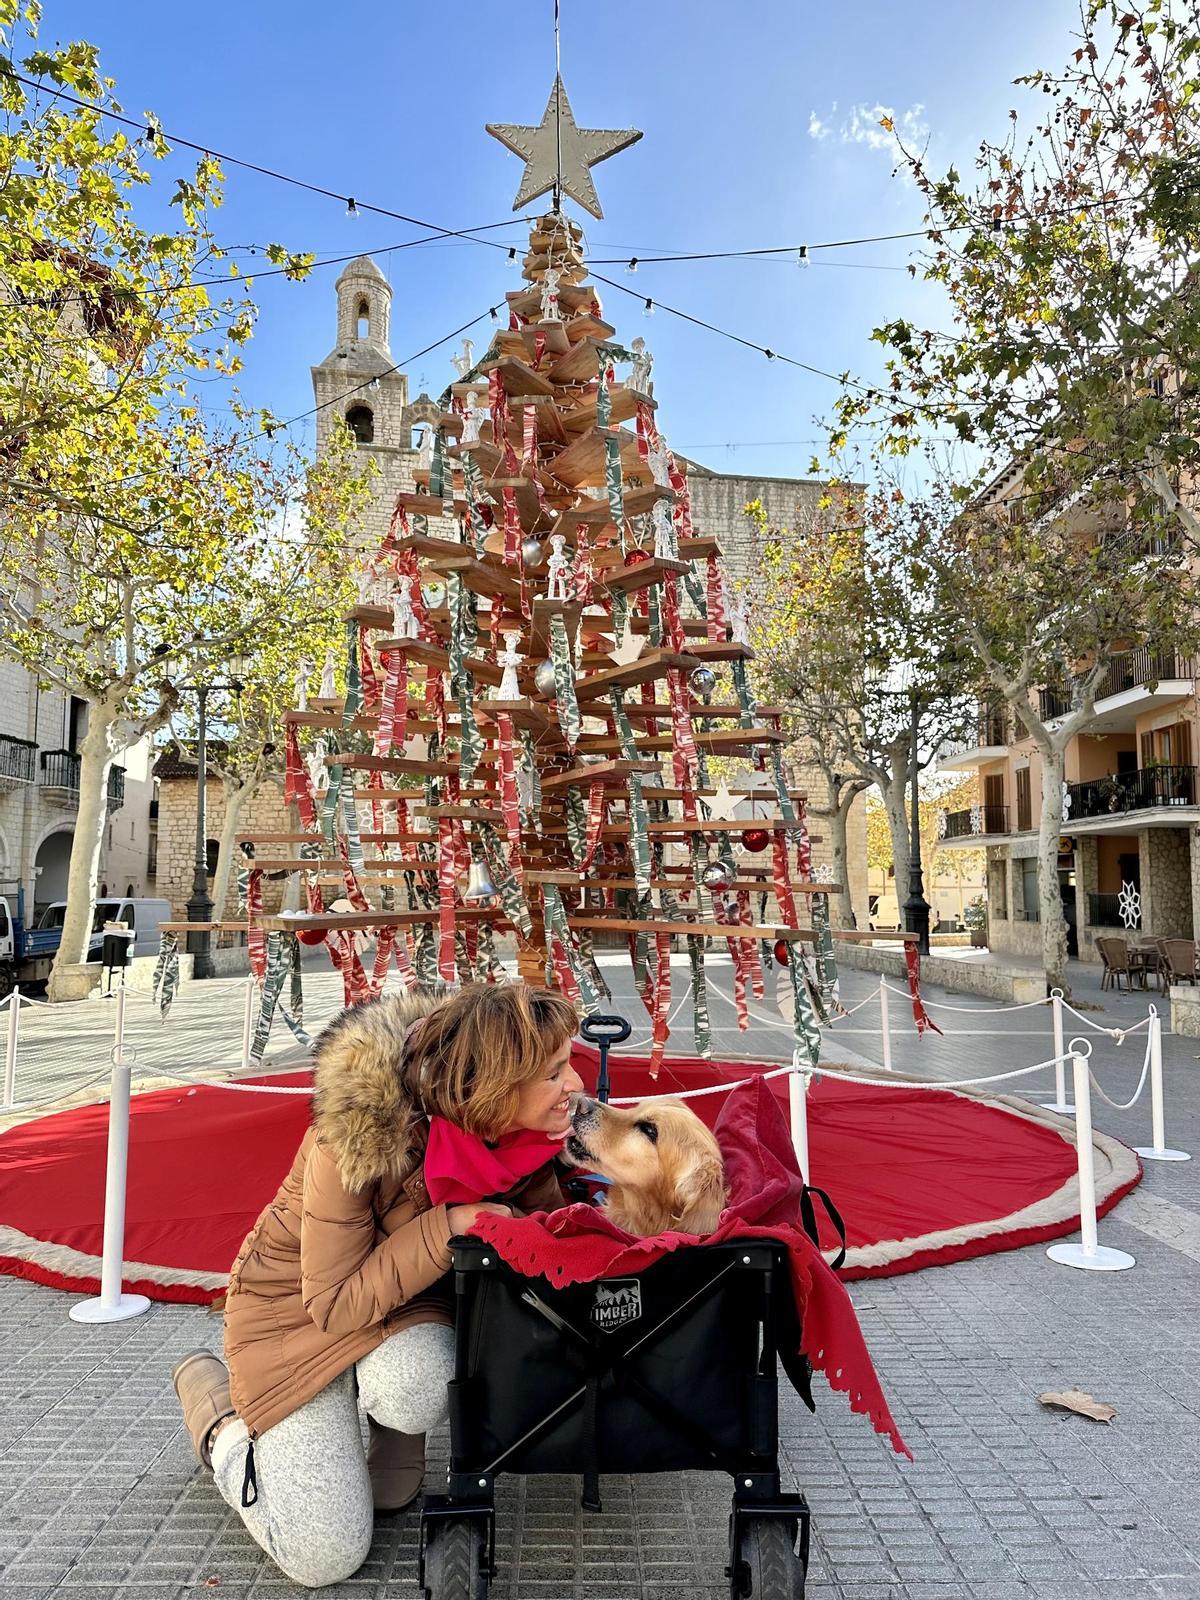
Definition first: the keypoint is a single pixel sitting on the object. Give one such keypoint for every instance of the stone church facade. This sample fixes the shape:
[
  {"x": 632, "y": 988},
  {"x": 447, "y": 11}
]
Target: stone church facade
[{"x": 357, "y": 382}]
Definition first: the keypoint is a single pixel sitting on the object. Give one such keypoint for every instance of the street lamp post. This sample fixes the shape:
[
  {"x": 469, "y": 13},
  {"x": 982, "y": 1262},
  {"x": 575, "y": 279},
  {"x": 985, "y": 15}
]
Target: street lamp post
[
  {"x": 916, "y": 907},
  {"x": 200, "y": 905}
]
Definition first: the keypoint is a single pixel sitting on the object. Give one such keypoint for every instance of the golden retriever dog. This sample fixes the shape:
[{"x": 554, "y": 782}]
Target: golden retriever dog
[{"x": 664, "y": 1165}]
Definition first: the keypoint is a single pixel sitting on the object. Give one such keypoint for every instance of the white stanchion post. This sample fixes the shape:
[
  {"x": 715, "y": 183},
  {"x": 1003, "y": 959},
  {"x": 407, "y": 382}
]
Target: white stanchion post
[
  {"x": 248, "y": 1024},
  {"x": 798, "y": 1107},
  {"x": 885, "y": 1026},
  {"x": 1060, "y": 1102},
  {"x": 10, "y": 1051},
  {"x": 1159, "y": 1150},
  {"x": 112, "y": 1305},
  {"x": 1087, "y": 1254}
]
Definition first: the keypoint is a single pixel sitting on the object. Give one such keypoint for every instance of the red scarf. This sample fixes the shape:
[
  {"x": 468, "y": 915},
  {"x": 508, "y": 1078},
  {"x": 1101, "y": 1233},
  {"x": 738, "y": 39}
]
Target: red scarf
[{"x": 460, "y": 1167}]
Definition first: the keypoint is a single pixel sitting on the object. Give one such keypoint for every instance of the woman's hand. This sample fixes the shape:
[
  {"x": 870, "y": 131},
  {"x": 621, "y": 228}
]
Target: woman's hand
[{"x": 462, "y": 1217}]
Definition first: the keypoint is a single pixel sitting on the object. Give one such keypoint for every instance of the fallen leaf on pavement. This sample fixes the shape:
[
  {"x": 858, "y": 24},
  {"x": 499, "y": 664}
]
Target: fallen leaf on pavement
[{"x": 1081, "y": 1403}]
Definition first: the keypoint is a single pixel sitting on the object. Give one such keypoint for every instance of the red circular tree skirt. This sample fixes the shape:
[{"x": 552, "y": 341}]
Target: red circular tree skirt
[{"x": 919, "y": 1176}]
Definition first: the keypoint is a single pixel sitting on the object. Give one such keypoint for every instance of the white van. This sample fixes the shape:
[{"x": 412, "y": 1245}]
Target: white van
[{"x": 143, "y": 916}]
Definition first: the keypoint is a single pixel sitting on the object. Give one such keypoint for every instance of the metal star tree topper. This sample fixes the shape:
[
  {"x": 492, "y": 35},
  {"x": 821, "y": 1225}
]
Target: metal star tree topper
[{"x": 558, "y": 155}]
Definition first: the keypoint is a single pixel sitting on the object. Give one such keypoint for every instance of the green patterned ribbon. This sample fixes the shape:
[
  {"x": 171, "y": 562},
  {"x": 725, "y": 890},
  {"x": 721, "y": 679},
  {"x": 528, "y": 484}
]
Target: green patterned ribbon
[
  {"x": 243, "y": 888},
  {"x": 745, "y": 694},
  {"x": 464, "y": 631},
  {"x": 701, "y": 1026},
  {"x": 556, "y": 925},
  {"x": 695, "y": 588},
  {"x": 804, "y": 1024},
  {"x": 587, "y": 957},
  {"x": 353, "y": 701},
  {"x": 620, "y": 614},
  {"x": 329, "y": 809},
  {"x": 827, "y": 973},
  {"x": 576, "y": 816},
  {"x": 638, "y": 818},
  {"x": 272, "y": 985},
  {"x": 656, "y": 627},
  {"x": 786, "y": 809},
  {"x": 516, "y": 908},
  {"x": 612, "y": 481},
  {"x": 166, "y": 973},
  {"x": 441, "y": 468},
  {"x": 425, "y": 952},
  {"x": 529, "y": 764},
  {"x": 473, "y": 488},
  {"x": 354, "y": 850},
  {"x": 293, "y": 1014},
  {"x": 569, "y": 719}
]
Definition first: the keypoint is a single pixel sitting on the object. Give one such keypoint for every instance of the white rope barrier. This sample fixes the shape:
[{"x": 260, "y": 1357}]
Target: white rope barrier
[
  {"x": 977, "y": 1011},
  {"x": 1127, "y": 1105}
]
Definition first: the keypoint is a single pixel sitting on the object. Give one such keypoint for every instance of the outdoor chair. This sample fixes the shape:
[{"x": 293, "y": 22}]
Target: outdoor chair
[
  {"x": 1114, "y": 955},
  {"x": 1179, "y": 959}
]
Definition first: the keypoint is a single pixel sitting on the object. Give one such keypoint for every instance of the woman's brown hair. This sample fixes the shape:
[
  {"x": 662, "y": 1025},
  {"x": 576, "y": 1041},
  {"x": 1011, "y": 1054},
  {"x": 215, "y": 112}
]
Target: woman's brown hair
[{"x": 467, "y": 1059}]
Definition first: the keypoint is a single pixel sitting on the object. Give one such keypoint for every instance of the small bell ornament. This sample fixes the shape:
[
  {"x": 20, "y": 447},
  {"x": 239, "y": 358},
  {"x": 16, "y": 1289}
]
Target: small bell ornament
[
  {"x": 480, "y": 889},
  {"x": 543, "y": 678},
  {"x": 716, "y": 875},
  {"x": 703, "y": 680},
  {"x": 756, "y": 839}
]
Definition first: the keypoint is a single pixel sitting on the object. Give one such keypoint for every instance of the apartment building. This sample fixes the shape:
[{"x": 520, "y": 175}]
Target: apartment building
[
  {"x": 40, "y": 734},
  {"x": 1131, "y": 809}
]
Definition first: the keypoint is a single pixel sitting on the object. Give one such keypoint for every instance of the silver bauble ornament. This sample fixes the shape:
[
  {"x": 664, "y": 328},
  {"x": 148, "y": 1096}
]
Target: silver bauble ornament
[
  {"x": 543, "y": 678},
  {"x": 703, "y": 680},
  {"x": 532, "y": 552},
  {"x": 716, "y": 875}
]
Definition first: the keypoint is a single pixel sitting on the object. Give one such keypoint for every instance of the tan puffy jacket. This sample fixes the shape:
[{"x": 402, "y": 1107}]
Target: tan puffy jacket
[{"x": 350, "y": 1249}]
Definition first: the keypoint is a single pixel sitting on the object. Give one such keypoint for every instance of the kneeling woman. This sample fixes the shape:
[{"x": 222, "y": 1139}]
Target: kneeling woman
[{"x": 423, "y": 1107}]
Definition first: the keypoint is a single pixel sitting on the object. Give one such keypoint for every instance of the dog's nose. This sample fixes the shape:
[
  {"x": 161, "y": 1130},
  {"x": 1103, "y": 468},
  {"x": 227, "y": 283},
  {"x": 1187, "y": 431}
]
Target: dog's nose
[{"x": 581, "y": 1108}]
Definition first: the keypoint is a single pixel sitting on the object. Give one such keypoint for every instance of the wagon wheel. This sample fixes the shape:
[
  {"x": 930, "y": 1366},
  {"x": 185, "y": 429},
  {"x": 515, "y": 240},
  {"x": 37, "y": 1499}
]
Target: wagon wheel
[
  {"x": 456, "y": 1560},
  {"x": 767, "y": 1565}
]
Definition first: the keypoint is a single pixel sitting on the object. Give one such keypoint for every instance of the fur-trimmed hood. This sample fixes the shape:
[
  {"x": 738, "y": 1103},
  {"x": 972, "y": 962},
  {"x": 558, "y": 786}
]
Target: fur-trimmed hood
[{"x": 364, "y": 1111}]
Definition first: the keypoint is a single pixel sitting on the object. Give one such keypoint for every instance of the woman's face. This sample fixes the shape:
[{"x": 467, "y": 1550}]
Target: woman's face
[{"x": 544, "y": 1103}]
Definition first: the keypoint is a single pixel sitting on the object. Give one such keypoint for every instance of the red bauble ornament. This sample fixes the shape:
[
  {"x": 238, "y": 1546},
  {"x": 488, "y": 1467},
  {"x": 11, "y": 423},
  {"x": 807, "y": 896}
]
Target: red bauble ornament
[
  {"x": 756, "y": 838},
  {"x": 311, "y": 935},
  {"x": 636, "y": 556},
  {"x": 781, "y": 951}
]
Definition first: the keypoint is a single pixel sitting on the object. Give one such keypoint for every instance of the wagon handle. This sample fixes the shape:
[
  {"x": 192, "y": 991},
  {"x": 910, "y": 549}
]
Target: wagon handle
[{"x": 604, "y": 1031}]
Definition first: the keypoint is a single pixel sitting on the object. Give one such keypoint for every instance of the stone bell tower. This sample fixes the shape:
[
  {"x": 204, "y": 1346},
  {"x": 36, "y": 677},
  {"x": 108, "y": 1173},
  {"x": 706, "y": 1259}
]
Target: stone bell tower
[{"x": 357, "y": 383}]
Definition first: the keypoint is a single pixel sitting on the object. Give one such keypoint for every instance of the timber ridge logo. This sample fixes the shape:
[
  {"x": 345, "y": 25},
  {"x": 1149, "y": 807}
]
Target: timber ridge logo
[{"x": 617, "y": 1302}]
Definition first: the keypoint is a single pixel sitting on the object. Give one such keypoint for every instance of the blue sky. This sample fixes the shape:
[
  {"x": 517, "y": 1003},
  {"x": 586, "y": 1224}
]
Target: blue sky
[{"x": 759, "y": 129}]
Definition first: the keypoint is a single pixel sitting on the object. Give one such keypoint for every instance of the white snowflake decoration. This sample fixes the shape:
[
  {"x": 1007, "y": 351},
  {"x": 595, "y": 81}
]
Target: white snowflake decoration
[
  {"x": 941, "y": 824},
  {"x": 1129, "y": 906},
  {"x": 1066, "y": 801},
  {"x": 823, "y": 873},
  {"x": 976, "y": 818}
]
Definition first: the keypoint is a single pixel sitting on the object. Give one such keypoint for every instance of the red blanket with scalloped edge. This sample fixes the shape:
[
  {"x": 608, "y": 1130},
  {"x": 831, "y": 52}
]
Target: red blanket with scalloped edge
[{"x": 580, "y": 1243}]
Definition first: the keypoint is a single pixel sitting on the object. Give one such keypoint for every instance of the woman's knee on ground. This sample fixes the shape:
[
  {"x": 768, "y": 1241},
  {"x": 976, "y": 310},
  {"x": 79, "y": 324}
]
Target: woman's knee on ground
[{"x": 402, "y": 1384}]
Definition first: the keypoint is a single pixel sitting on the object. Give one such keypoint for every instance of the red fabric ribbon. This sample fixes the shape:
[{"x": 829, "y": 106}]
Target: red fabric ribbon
[
  {"x": 715, "y": 601},
  {"x": 459, "y": 1167},
  {"x": 912, "y": 962},
  {"x": 297, "y": 785},
  {"x": 447, "y": 855},
  {"x": 370, "y": 678},
  {"x": 256, "y": 939}
]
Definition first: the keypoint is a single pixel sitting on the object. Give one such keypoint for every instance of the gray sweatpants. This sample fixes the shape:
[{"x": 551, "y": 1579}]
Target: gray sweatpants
[{"x": 313, "y": 1515}]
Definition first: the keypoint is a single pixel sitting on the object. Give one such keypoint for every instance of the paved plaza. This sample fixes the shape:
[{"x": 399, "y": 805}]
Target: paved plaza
[{"x": 1005, "y": 1500}]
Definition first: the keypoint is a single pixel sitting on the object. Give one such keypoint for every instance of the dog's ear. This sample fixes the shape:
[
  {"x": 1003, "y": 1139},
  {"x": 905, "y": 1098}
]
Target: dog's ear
[{"x": 701, "y": 1194}]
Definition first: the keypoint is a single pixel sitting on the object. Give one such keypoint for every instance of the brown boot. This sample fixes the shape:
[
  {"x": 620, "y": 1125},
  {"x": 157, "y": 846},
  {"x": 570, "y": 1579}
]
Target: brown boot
[
  {"x": 202, "y": 1383},
  {"x": 396, "y": 1462}
]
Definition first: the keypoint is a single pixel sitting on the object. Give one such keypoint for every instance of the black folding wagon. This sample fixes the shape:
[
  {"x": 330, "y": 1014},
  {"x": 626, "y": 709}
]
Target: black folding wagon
[{"x": 671, "y": 1370}]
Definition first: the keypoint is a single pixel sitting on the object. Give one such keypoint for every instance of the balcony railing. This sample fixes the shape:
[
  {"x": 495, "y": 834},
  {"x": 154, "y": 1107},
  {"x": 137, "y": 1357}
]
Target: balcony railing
[
  {"x": 1137, "y": 669},
  {"x": 978, "y": 820},
  {"x": 18, "y": 762},
  {"x": 1104, "y": 911},
  {"x": 60, "y": 774},
  {"x": 1053, "y": 703},
  {"x": 1147, "y": 789},
  {"x": 990, "y": 729}
]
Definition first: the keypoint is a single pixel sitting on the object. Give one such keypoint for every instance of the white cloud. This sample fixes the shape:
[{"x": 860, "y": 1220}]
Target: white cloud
[{"x": 865, "y": 125}]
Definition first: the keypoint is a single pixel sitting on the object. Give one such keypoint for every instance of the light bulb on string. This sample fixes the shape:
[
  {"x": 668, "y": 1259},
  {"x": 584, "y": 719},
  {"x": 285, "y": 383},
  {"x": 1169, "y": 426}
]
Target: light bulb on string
[
  {"x": 770, "y": 354},
  {"x": 493, "y": 314},
  {"x": 351, "y": 207},
  {"x": 802, "y": 256},
  {"x": 512, "y": 255},
  {"x": 633, "y": 264},
  {"x": 648, "y": 308}
]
